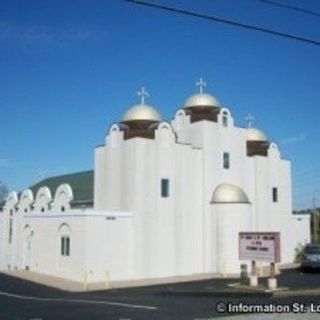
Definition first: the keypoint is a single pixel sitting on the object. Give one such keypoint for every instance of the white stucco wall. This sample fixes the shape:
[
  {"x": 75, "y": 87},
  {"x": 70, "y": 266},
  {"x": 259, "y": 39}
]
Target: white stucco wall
[
  {"x": 228, "y": 221},
  {"x": 100, "y": 244}
]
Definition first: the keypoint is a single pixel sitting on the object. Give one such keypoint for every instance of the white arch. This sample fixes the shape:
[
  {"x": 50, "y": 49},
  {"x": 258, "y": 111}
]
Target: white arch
[
  {"x": 114, "y": 128},
  {"x": 274, "y": 146},
  {"x": 225, "y": 118},
  {"x": 165, "y": 125},
  {"x": 164, "y": 132},
  {"x": 180, "y": 113},
  {"x": 225, "y": 111},
  {"x": 11, "y": 201},
  {"x": 64, "y": 229},
  {"x": 28, "y": 230},
  {"x": 43, "y": 199},
  {"x": 115, "y": 134},
  {"x": 26, "y": 200},
  {"x": 273, "y": 150},
  {"x": 63, "y": 197},
  {"x": 180, "y": 121}
]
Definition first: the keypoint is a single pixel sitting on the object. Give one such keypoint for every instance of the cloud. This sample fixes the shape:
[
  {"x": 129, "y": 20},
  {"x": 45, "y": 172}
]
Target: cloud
[
  {"x": 44, "y": 36},
  {"x": 293, "y": 139}
]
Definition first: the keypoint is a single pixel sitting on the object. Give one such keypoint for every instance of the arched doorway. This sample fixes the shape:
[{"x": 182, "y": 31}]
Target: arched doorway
[{"x": 28, "y": 235}]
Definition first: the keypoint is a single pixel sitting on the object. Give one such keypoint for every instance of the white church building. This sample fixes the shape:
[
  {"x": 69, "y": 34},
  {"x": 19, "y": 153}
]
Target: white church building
[{"x": 165, "y": 199}]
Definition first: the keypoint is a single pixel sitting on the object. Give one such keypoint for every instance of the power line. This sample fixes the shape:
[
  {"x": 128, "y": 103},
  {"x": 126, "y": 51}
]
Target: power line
[
  {"x": 299, "y": 9},
  {"x": 225, "y": 21}
]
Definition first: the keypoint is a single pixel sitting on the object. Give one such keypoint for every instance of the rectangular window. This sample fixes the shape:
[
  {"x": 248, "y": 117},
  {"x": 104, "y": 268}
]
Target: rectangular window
[
  {"x": 164, "y": 188},
  {"x": 65, "y": 246},
  {"x": 275, "y": 194},
  {"x": 226, "y": 160}
]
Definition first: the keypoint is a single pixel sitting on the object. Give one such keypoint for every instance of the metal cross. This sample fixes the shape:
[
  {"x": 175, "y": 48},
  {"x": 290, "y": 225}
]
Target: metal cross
[
  {"x": 143, "y": 94},
  {"x": 249, "y": 119},
  {"x": 201, "y": 84}
]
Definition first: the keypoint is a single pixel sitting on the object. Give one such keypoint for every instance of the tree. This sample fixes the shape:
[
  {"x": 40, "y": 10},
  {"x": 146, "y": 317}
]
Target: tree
[{"x": 3, "y": 191}]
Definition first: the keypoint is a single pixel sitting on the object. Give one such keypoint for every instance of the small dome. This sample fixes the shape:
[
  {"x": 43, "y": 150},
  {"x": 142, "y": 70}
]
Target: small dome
[
  {"x": 253, "y": 134},
  {"x": 142, "y": 112},
  {"x": 202, "y": 100},
  {"x": 229, "y": 193}
]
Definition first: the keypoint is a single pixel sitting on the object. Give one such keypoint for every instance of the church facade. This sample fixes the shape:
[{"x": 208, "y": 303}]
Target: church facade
[{"x": 169, "y": 199}]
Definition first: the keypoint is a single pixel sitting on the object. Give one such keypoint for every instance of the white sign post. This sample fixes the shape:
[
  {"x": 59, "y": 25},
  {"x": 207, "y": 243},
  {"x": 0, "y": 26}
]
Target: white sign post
[{"x": 260, "y": 246}]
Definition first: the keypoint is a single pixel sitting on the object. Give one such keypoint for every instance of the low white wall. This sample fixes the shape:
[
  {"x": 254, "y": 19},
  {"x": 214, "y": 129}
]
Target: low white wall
[
  {"x": 99, "y": 242},
  {"x": 294, "y": 231}
]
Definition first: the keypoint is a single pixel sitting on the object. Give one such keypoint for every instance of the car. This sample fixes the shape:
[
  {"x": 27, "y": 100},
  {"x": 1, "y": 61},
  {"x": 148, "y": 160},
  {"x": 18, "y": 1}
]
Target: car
[{"x": 311, "y": 258}]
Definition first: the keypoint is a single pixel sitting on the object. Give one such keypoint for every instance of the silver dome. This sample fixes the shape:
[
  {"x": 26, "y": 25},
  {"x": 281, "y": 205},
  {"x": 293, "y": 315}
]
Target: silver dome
[
  {"x": 229, "y": 193},
  {"x": 142, "y": 112},
  {"x": 202, "y": 99},
  {"x": 253, "y": 134}
]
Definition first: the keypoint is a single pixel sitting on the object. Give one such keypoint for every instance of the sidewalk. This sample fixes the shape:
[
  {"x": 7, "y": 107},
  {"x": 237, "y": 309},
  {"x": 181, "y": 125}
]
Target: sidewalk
[
  {"x": 291, "y": 283},
  {"x": 74, "y": 286},
  {"x": 46, "y": 280}
]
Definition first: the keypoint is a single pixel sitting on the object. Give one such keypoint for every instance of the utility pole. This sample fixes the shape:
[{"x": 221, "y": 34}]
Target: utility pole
[{"x": 315, "y": 220}]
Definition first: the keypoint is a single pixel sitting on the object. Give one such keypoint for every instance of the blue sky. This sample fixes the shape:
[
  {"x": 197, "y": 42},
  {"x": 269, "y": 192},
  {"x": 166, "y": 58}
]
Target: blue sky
[{"x": 69, "y": 69}]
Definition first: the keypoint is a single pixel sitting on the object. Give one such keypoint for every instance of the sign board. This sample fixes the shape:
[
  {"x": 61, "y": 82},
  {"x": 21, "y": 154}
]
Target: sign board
[{"x": 259, "y": 246}]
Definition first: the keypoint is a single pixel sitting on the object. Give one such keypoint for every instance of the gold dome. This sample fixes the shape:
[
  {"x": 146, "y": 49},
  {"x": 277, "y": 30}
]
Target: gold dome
[
  {"x": 202, "y": 100},
  {"x": 253, "y": 134},
  {"x": 142, "y": 112},
  {"x": 229, "y": 193}
]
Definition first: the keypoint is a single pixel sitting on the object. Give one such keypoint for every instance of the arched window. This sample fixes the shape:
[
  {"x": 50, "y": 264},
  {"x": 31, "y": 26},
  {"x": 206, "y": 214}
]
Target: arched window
[{"x": 65, "y": 240}]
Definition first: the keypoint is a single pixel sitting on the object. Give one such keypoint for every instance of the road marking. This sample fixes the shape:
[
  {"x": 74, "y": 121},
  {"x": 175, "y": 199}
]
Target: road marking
[{"x": 110, "y": 303}]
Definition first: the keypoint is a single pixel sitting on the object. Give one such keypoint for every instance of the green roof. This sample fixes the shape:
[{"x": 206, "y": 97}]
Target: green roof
[{"x": 80, "y": 182}]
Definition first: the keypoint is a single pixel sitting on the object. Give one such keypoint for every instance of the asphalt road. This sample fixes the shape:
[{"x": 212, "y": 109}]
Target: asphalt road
[{"x": 21, "y": 299}]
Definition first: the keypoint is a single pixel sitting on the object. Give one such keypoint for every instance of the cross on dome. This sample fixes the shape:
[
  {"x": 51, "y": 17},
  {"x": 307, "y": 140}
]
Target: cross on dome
[
  {"x": 143, "y": 94},
  {"x": 249, "y": 118},
  {"x": 201, "y": 84}
]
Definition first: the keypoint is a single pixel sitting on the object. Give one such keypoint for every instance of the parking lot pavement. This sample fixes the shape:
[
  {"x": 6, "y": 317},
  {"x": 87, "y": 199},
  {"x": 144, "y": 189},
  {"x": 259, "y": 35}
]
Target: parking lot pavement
[
  {"x": 306, "y": 316},
  {"x": 21, "y": 299},
  {"x": 295, "y": 279}
]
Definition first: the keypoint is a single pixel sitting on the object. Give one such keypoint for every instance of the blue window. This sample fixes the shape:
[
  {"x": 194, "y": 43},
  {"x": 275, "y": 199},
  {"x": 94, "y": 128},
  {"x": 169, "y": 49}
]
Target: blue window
[
  {"x": 275, "y": 194},
  {"x": 226, "y": 160},
  {"x": 164, "y": 188}
]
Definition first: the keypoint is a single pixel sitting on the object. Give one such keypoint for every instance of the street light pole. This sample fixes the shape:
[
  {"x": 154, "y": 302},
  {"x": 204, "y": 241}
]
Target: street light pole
[{"x": 315, "y": 221}]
